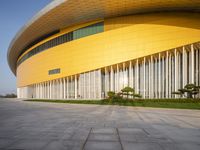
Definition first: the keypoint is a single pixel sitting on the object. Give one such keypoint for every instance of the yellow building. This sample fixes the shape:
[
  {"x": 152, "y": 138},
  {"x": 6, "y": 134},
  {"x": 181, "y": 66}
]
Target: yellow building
[{"x": 81, "y": 49}]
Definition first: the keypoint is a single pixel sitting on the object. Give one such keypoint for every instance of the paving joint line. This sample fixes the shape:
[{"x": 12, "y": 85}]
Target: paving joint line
[
  {"x": 86, "y": 139},
  {"x": 119, "y": 139}
]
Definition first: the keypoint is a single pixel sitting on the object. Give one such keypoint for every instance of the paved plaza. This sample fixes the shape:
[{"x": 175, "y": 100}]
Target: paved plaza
[{"x": 52, "y": 126}]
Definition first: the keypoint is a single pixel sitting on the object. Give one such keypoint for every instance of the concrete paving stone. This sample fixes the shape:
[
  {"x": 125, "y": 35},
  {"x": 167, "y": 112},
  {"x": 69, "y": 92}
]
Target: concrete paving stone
[
  {"x": 153, "y": 132},
  {"x": 8, "y": 134},
  {"x": 141, "y": 146},
  {"x": 104, "y": 130},
  {"x": 64, "y": 145},
  {"x": 28, "y": 144},
  {"x": 80, "y": 135},
  {"x": 103, "y": 137},
  {"x": 128, "y": 137},
  {"x": 110, "y": 125},
  {"x": 133, "y": 131},
  {"x": 170, "y": 146},
  {"x": 96, "y": 145},
  {"x": 154, "y": 140},
  {"x": 4, "y": 143},
  {"x": 31, "y": 135},
  {"x": 188, "y": 146},
  {"x": 55, "y": 145},
  {"x": 184, "y": 135},
  {"x": 180, "y": 146}
]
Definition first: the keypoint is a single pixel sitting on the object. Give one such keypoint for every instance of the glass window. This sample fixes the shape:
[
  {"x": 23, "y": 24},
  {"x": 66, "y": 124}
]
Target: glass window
[
  {"x": 79, "y": 33},
  {"x": 54, "y": 71}
]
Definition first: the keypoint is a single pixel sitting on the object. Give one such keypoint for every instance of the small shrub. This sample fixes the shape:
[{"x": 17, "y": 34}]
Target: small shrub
[
  {"x": 111, "y": 94},
  {"x": 137, "y": 95}
]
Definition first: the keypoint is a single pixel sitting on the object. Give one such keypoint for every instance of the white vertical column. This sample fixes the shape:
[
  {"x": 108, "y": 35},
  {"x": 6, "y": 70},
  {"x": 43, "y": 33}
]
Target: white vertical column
[
  {"x": 192, "y": 67},
  {"x": 84, "y": 87},
  {"x": 47, "y": 86},
  {"x": 123, "y": 75},
  {"x": 111, "y": 79},
  {"x": 44, "y": 84},
  {"x": 60, "y": 88},
  {"x": 106, "y": 81},
  {"x": 176, "y": 72},
  {"x": 184, "y": 67},
  {"x": 64, "y": 89},
  {"x": 71, "y": 88},
  {"x": 47, "y": 90},
  {"x": 163, "y": 77},
  {"x": 149, "y": 75},
  {"x": 130, "y": 75},
  {"x": 156, "y": 77},
  {"x": 118, "y": 78},
  {"x": 170, "y": 75},
  {"x": 50, "y": 89},
  {"x": 54, "y": 89},
  {"x": 89, "y": 85},
  {"x": 100, "y": 83},
  {"x": 199, "y": 67},
  {"x": 41, "y": 85},
  {"x": 76, "y": 87},
  {"x": 95, "y": 87},
  {"x": 167, "y": 75},
  {"x": 137, "y": 76},
  {"x": 196, "y": 69},
  {"x": 152, "y": 77},
  {"x": 50, "y": 93},
  {"x": 144, "y": 73},
  {"x": 35, "y": 90},
  {"x": 67, "y": 87},
  {"x": 159, "y": 76},
  {"x": 38, "y": 85},
  {"x": 39, "y": 89},
  {"x": 43, "y": 89}
]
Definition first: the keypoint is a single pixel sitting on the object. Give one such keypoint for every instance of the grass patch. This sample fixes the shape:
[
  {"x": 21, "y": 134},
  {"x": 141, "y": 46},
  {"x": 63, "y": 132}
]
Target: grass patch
[{"x": 159, "y": 103}]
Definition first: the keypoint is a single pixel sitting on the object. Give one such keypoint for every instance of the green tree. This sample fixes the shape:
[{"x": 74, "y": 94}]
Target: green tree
[
  {"x": 128, "y": 91},
  {"x": 190, "y": 90}
]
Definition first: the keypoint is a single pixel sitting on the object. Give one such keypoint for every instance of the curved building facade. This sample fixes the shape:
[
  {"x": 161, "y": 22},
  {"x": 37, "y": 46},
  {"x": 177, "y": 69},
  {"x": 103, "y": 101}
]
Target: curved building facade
[{"x": 81, "y": 49}]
